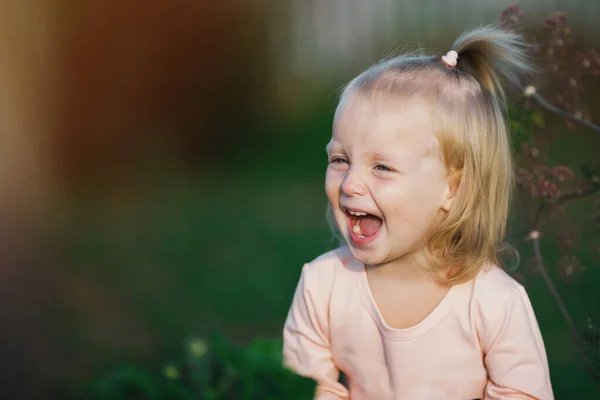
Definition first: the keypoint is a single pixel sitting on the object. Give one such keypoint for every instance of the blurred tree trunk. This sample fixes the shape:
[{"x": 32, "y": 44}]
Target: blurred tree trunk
[{"x": 28, "y": 354}]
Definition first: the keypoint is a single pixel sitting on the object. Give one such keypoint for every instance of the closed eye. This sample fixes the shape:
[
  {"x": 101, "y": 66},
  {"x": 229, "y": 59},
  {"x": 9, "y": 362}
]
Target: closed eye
[
  {"x": 338, "y": 160},
  {"x": 380, "y": 167}
]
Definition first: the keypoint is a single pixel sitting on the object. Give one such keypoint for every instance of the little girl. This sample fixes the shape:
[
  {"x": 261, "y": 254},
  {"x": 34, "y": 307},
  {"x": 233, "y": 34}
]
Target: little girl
[{"x": 415, "y": 305}]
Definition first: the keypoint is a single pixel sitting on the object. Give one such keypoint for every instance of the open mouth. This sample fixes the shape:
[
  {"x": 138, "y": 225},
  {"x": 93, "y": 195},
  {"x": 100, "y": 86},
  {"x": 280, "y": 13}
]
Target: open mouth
[{"x": 363, "y": 226}]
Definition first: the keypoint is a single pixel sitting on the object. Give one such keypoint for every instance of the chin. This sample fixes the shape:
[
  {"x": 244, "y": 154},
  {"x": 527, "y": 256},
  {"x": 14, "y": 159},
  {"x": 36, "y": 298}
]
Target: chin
[
  {"x": 367, "y": 256},
  {"x": 379, "y": 255}
]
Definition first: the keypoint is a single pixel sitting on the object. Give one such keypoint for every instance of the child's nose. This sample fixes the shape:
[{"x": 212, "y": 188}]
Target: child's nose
[{"x": 353, "y": 185}]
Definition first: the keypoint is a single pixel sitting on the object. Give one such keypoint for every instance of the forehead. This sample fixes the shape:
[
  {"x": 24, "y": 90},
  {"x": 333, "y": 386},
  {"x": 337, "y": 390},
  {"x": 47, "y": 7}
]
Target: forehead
[{"x": 380, "y": 122}]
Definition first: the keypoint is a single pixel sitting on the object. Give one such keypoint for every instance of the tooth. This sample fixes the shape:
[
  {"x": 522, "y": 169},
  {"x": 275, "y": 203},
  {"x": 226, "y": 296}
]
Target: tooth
[{"x": 358, "y": 213}]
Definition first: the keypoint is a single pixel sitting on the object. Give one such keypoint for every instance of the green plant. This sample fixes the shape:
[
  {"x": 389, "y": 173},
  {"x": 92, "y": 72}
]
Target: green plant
[
  {"x": 550, "y": 196},
  {"x": 214, "y": 370}
]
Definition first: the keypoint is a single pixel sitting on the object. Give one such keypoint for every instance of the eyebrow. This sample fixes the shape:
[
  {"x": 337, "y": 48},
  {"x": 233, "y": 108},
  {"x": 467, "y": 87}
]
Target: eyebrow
[{"x": 382, "y": 156}]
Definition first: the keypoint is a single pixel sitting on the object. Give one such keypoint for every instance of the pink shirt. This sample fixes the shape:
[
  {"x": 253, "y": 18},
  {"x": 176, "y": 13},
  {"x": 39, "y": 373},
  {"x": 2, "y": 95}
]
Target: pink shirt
[{"x": 481, "y": 341}]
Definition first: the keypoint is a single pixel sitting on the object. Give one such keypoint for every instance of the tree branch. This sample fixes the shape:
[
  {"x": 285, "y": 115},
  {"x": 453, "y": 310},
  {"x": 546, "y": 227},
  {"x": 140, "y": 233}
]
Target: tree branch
[
  {"x": 538, "y": 214},
  {"x": 535, "y": 237},
  {"x": 580, "y": 193},
  {"x": 563, "y": 198},
  {"x": 545, "y": 104}
]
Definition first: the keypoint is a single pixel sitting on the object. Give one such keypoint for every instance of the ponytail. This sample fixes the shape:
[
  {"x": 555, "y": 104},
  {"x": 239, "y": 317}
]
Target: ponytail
[{"x": 490, "y": 55}]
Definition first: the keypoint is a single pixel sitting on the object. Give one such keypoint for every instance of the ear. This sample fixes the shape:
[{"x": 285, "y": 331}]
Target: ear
[{"x": 452, "y": 189}]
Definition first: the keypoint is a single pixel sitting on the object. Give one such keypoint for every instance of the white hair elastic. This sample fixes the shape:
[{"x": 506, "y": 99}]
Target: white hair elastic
[{"x": 450, "y": 59}]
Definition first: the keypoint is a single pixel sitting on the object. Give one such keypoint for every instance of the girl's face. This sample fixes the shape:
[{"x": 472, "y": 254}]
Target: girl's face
[{"x": 385, "y": 181}]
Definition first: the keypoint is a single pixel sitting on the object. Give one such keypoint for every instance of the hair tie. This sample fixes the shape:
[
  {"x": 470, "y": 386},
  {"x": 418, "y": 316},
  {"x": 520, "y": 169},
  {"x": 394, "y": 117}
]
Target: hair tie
[{"x": 450, "y": 59}]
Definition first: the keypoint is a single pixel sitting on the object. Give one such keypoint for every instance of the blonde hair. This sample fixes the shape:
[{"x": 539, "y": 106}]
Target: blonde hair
[{"x": 469, "y": 103}]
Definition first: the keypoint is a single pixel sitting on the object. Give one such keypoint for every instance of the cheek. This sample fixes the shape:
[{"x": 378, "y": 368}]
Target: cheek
[
  {"x": 412, "y": 199},
  {"x": 332, "y": 184},
  {"x": 393, "y": 199},
  {"x": 430, "y": 187}
]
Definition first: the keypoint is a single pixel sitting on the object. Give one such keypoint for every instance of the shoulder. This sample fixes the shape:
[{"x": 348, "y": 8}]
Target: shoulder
[
  {"x": 320, "y": 273},
  {"x": 492, "y": 286},
  {"x": 494, "y": 294},
  {"x": 328, "y": 264}
]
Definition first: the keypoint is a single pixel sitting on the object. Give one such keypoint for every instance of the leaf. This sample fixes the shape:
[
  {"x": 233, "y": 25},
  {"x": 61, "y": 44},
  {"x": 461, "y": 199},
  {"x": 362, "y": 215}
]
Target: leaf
[
  {"x": 125, "y": 383},
  {"x": 266, "y": 348},
  {"x": 176, "y": 391},
  {"x": 538, "y": 119}
]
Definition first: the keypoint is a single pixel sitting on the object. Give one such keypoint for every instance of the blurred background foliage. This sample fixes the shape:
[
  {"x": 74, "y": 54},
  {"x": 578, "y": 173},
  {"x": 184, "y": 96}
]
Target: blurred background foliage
[{"x": 161, "y": 178}]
